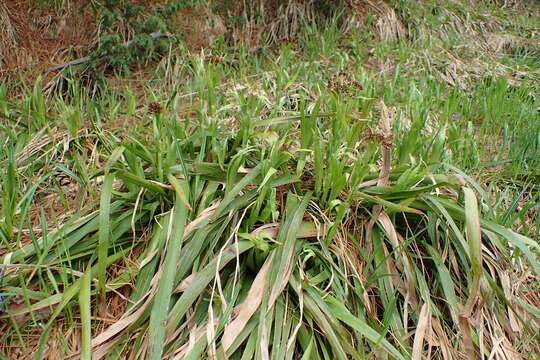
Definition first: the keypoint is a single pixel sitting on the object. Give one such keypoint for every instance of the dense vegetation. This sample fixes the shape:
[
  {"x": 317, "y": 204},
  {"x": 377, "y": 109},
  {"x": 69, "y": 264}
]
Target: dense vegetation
[{"x": 363, "y": 183}]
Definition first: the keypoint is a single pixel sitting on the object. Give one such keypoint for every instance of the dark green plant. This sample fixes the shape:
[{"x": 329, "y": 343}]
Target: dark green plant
[{"x": 129, "y": 35}]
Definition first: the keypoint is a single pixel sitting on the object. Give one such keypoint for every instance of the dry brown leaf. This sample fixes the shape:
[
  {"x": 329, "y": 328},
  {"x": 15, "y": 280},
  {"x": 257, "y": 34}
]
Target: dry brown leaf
[
  {"x": 466, "y": 337},
  {"x": 307, "y": 230},
  {"x": 118, "y": 326},
  {"x": 421, "y": 329},
  {"x": 248, "y": 307}
]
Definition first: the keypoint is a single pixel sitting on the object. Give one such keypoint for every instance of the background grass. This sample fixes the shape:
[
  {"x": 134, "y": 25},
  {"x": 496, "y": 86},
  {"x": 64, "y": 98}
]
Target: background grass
[{"x": 362, "y": 191}]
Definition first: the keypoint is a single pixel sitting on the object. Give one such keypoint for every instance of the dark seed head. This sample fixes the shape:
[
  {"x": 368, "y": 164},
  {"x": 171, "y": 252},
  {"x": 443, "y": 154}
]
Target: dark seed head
[{"x": 155, "y": 108}]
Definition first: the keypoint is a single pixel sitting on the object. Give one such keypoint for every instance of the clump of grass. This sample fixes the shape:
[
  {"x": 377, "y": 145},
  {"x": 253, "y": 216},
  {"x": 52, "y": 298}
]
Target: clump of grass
[{"x": 279, "y": 237}]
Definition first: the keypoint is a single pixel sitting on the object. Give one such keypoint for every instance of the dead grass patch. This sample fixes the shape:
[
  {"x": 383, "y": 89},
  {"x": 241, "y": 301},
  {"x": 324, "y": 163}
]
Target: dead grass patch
[{"x": 33, "y": 38}]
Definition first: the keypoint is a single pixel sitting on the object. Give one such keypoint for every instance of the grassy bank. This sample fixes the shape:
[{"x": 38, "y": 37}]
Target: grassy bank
[{"x": 359, "y": 192}]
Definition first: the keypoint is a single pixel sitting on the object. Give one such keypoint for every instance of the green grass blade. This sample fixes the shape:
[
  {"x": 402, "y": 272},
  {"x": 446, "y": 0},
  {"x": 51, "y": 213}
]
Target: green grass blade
[
  {"x": 473, "y": 231},
  {"x": 104, "y": 232},
  {"x": 340, "y": 312},
  {"x": 86, "y": 326},
  {"x": 196, "y": 283},
  {"x": 230, "y": 196},
  {"x": 160, "y": 307}
]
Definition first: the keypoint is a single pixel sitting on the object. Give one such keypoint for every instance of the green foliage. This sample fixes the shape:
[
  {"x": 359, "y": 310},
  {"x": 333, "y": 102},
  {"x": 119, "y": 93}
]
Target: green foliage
[
  {"x": 239, "y": 211},
  {"x": 129, "y": 35}
]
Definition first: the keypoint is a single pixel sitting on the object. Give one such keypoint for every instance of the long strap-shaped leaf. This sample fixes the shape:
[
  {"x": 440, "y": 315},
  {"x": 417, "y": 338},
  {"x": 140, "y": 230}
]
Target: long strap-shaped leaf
[
  {"x": 250, "y": 305},
  {"x": 231, "y": 195},
  {"x": 340, "y": 312},
  {"x": 197, "y": 282},
  {"x": 284, "y": 261},
  {"x": 472, "y": 229},
  {"x": 156, "y": 330},
  {"x": 84, "y": 304},
  {"x": 104, "y": 231}
]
